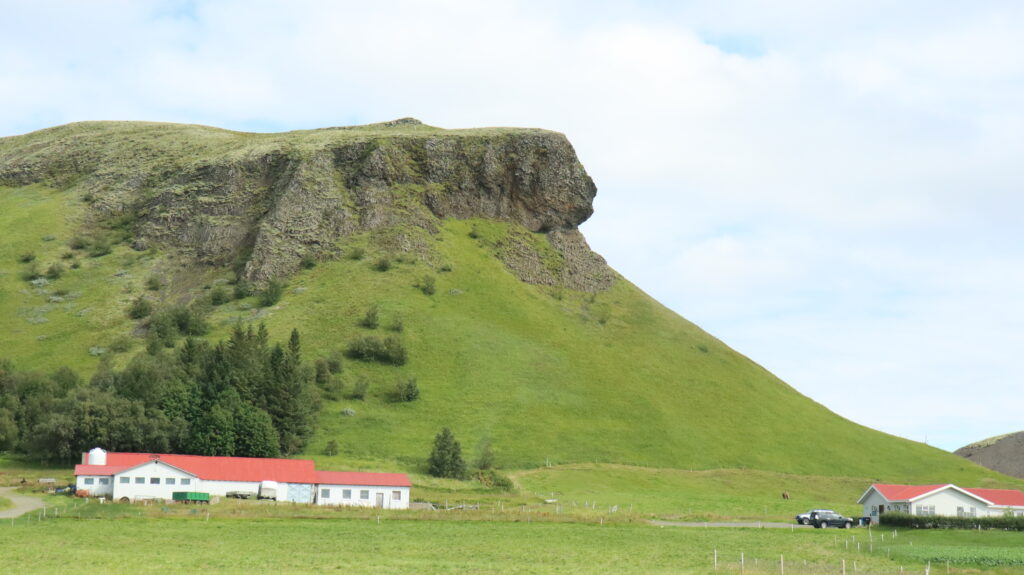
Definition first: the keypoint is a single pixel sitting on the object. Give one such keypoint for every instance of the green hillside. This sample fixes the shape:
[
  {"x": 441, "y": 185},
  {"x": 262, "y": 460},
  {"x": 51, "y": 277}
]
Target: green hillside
[{"x": 561, "y": 369}]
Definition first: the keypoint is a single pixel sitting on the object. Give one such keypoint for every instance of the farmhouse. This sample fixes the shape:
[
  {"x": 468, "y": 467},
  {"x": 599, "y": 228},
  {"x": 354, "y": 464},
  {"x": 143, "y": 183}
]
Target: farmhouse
[
  {"x": 140, "y": 476},
  {"x": 943, "y": 499}
]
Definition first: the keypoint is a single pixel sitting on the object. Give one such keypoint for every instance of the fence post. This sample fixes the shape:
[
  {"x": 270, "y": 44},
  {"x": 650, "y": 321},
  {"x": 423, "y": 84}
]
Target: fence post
[
  {"x": 716, "y": 559},
  {"x": 782, "y": 564}
]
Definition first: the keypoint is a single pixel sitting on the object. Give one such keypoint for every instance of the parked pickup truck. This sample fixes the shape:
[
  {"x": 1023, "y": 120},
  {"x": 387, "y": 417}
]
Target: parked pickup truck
[
  {"x": 806, "y": 518},
  {"x": 831, "y": 519}
]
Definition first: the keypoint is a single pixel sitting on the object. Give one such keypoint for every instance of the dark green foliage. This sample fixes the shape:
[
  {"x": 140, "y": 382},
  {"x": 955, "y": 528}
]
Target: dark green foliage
[
  {"x": 31, "y": 272},
  {"x": 397, "y": 325},
  {"x": 26, "y": 257},
  {"x": 140, "y": 308},
  {"x": 323, "y": 373},
  {"x": 121, "y": 344},
  {"x": 360, "y": 388},
  {"x": 382, "y": 265},
  {"x": 54, "y": 271},
  {"x": 334, "y": 364},
  {"x": 426, "y": 284},
  {"x": 896, "y": 519},
  {"x": 308, "y": 262},
  {"x": 75, "y": 265},
  {"x": 485, "y": 456},
  {"x": 446, "y": 458},
  {"x": 271, "y": 294},
  {"x": 99, "y": 248},
  {"x": 153, "y": 283},
  {"x": 494, "y": 480},
  {"x": 219, "y": 296},
  {"x": 370, "y": 348},
  {"x": 371, "y": 319},
  {"x": 243, "y": 289},
  {"x": 241, "y": 397},
  {"x": 67, "y": 255},
  {"x": 78, "y": 243},
  {"x": 406, "y": 391},
  {"x": 331, "y": 449},
  {"x": 356, "y": 253}
]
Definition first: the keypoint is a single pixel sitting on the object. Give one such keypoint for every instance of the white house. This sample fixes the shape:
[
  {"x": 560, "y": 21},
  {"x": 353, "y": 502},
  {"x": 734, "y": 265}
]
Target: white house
[
  {"x": 944, "y": 499},
  {"x": 137, "y": 476}
]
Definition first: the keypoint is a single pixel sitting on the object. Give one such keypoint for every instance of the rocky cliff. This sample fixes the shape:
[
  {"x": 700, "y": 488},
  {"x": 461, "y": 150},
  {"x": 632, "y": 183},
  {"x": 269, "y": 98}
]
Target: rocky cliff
[
  {"x": 263, "y": 202},
  {"x": 1004, "y": 453}
]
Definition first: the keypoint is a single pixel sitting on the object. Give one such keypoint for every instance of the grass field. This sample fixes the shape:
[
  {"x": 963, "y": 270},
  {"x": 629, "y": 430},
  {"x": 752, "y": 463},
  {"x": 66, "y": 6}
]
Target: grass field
[
  {"x": 117, "y": 538},
  {"x": 5, "y": 504}
]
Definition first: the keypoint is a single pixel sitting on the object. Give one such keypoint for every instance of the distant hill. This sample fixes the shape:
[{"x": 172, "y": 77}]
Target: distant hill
[
  {"x": 1004, "y": 453},
  {"x": 466, "y": 245}
]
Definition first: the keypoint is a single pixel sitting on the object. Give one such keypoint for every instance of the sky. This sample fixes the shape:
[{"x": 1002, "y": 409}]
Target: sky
[{"x": 834, "y": 189}]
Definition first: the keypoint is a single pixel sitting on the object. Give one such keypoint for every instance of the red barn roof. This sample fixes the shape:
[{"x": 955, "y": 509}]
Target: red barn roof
[
  {"x": 361, "y": 478},
  {"x": 244, "y": 469},
  {"x": 1001, "y": 497},
  {"x": 906, "y": 492}
]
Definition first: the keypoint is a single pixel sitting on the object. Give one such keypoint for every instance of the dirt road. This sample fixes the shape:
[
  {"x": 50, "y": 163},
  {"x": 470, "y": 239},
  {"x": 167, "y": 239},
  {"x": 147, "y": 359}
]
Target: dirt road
[{"x": 22, "y": 503}]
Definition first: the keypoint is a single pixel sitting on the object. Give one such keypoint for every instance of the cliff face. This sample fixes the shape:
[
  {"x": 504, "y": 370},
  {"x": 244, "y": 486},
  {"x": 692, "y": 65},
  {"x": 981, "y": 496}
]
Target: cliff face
[
  {"x": 1004, "y": 454},
  {"x": 265, "y": 201}
]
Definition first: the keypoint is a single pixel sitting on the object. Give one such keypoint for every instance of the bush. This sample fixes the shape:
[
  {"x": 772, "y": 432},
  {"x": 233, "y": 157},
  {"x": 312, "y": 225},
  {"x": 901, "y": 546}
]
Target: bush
[
  {"x": 331, "y": 449},
  {"x": 31, "y": 272},
  {"x": 121, "y": 344},
  {"x": 99, "y": 248},
  {"x": 406, "y": 391},
  {"x": 271, "y": 294},
  {"x": 54, "y": 271},
  {"x": 1006, "y": 522},
  {"x": 370, "y": 319},
  {"x": 67, "y": 255},
  {"x": 426, "y": 284},
  {"x": 382, "y": 265},
  {"x": 140, "y": 308},
  {"x": 26, "y": 257},
  {"x": 243, "y": 289},
  {"x": 219, "y": 296},
  {"x": 153, "y": 283},
  {"x": 308, "y": 262},
  {"x": 446, "y": 458},
  {"x": 360, "y": 388},
  {"x": 78, "y": 243},
  {"x": 494, "y": 480},
  {"x": 334, "y": 363},
  {"x": 356, "y": 253},
  {"x": 397, "y": 325}
]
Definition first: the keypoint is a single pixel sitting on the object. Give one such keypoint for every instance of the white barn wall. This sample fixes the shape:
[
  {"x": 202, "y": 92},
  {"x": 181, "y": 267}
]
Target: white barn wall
[
  {"x": 335, "y": 493},
  {"x": 97, "y": 489},
  {"x": 146, "y": 489}
]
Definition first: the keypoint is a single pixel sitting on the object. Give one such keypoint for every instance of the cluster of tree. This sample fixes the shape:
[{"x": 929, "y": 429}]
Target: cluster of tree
[{"x": 242, "y": 397}]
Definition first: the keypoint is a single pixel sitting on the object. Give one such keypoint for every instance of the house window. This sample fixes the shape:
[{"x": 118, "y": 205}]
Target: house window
[
  {"x": 186, "y": 481},
  {"x": 169, "y": 481},
  {"x": 346, "y": 494},
  {"x": 396, "y": 495},
  {"x": 124, "y": 479},
  {"x": 154, "y": 481},
  {"x": 364, "y": 494},
  {"x": 140, "y": 480},
  {"x": 89, "y": 480},
  {"x": 104, "y": 480},
  {"x": 325, "y": 493}
]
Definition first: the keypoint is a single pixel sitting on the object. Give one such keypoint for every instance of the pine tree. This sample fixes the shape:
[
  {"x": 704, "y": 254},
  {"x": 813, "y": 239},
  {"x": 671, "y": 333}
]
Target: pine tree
[{"x": 446, "y": 458}]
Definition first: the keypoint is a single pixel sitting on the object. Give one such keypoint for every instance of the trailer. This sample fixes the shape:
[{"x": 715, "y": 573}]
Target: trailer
[{"x": 190, "y": 497}]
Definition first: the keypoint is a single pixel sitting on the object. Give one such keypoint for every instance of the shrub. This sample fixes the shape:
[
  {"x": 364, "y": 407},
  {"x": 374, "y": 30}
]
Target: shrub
[
  {"x": 75, "y": 265},
  {"x": 140, "y": 308},
  {"x": 406, "y": 391},
  {"x": 54, "y": 271},
  {"x": 78, "y": 243},
  {"x": 426, "y": 284},
  {"x": 382, "y": 265},
  {"x": 896, "y": 519},
  {"x": 243, "y": 289},
  {"x": 26, "y": 257},
  {"x": 334, "y": 363},
  {"x": 271, "y": 294},
  {"x": 331, "y": 449},
  {"x": 371, "y": 348},
  {"x": 446, "y": 458},
  {"x": 99, "y": 248},
  {"x": 360, "y": 388},
  {"x": 308, "y": 262},
  {"x": 67, "y": 255},
  {"x": 356, "y": 253},
  {"x": 31, "y": 272},
  {"x": 153, "y": 283},
  {"x": 370, "y": 319},
  {"x": 494, "y": 480},
  {"x": 121, "y": 344},
  {"x": 397, "y": 325},
  {"x": 219, "y": 296}
]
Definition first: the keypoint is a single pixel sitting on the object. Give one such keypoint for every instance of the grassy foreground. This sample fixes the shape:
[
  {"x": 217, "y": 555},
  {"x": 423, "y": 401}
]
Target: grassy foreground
[{"x": 220, "y": 545}]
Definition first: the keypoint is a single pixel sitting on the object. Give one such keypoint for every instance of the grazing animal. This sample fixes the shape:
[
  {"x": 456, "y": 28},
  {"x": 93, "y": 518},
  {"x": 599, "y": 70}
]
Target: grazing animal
[{"x": 785, "y": 495}]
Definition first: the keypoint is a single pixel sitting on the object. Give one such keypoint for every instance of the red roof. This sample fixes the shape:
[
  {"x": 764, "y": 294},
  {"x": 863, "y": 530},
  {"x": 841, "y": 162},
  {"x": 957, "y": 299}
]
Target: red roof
[
  {"x": 244, "y": 469},
  {"x": 905, "y": 492},
  {"x": 1009, "y": 497},
  {"x": 361, "y": 478}
]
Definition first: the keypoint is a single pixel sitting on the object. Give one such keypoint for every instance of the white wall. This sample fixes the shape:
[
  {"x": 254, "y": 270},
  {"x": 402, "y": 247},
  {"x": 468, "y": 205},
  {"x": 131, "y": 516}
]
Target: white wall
[
  {"x": 335, "y": 496},
  {"x": 947, "y": 501},
  {"x": 95, "y": 485},
  {"x": 153, "y": 471}
]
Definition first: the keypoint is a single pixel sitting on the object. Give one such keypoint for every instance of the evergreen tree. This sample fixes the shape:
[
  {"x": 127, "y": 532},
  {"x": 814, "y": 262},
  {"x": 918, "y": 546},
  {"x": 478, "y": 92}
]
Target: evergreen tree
[{"x": 446, "y": 458}]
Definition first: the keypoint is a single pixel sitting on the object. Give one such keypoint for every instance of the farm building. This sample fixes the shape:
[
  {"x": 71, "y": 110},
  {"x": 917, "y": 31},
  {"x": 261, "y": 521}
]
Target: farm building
[
  {"x": 944, "y": 499},
  {"x": 139, "y": 476}
]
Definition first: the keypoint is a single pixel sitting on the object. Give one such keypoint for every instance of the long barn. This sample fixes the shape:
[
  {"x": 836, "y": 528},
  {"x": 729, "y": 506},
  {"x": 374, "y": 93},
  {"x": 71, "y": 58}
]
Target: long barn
[{"x": 141, "y": 476}]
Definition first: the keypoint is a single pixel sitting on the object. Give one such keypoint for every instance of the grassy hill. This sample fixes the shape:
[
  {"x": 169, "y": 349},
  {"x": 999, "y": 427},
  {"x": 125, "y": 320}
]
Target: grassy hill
[{"x": 551, "y": 372}]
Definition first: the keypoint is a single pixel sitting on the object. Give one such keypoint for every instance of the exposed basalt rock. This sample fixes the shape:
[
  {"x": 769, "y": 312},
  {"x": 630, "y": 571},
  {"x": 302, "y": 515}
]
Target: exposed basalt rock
[
  {"x": 264, "y": 201},
  {"x": 1004, "y": 454}
]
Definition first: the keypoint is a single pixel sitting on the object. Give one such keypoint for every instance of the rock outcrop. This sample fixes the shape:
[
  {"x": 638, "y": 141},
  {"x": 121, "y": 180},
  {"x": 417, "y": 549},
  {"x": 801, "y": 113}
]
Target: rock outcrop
[
  {"x": 262, "y": 202},
  {"x": 1004, "y": 453}
]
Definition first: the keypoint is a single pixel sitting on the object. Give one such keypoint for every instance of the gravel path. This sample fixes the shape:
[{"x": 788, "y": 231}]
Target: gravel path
[{"x": 22, "y": 503}]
